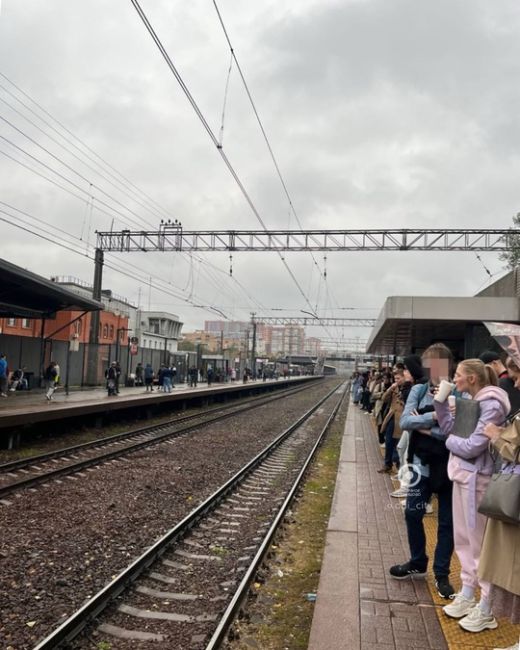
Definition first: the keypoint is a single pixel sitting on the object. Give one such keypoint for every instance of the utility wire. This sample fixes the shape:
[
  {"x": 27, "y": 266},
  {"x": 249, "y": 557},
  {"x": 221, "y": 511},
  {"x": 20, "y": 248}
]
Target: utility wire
[
  {"x": 268, "y": 144},
  {"x": 62, "y": 126},
  {"x": 51, "y": 238},
  {"x": 212, "y": 136},
  {"x": 152, "y": 209},
  {"x": 90, "y": 197},
  {"x": 74, "y": 171}
]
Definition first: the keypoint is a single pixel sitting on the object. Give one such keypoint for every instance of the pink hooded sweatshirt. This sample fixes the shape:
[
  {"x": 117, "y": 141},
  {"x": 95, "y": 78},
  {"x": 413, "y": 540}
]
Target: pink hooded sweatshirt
[{"x": 470, "y": 462}]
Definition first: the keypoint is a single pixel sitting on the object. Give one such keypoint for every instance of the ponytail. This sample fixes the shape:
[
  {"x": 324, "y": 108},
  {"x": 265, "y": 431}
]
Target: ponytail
[{"x": 486, "y": 376}]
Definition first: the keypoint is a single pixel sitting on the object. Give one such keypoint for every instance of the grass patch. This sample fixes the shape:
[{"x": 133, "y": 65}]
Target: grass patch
[{"x": 280, "y": 609}]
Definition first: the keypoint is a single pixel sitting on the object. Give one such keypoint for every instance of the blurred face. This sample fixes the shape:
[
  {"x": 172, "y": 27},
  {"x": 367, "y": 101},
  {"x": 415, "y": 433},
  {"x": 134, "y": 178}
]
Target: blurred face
[
  {"x": 399, "y": 379},
  {"x": 407, "y": 376},
  {"x": 438, "y": 369},
  {"x": 464, "y": 382}
]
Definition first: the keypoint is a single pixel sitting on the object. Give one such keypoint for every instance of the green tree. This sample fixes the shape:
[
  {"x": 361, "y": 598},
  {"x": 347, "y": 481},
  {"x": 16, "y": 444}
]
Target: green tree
[{"x": 512, "y": 256}]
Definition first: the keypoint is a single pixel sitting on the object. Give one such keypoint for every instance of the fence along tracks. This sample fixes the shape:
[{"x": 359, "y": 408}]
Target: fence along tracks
[
  {"x": 189, "y": 585},
  {"x": 40, "y": 469}
]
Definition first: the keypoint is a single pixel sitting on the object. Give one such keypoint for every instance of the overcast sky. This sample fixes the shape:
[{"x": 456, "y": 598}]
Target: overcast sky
[{"x": 381, "y": 113}]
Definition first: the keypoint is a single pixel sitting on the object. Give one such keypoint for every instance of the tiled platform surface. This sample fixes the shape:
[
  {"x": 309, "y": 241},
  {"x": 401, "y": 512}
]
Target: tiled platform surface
[{"x": 359, "y": 606}]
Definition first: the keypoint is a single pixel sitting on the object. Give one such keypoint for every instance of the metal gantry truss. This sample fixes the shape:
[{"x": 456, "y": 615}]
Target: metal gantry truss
[
  {"x": 175, "y": 238},
  {"x": 306, "y": 321}
]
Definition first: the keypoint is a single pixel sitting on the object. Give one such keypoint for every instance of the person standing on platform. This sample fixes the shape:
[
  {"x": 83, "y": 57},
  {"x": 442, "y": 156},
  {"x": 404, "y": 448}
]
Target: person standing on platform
[
  {"x": 470, "y": 468},
  {"x": 51, "y": 377},
  {"x": 111, "y": 376},
  {"x": 139, "y": 374},
  {"x": 3, "y": 375},
  {"x": 428, "y": 460},
  {"x": 492, "y": 359},
  {"x": 173, "y": 374},
  {"x": 193, "y": 376},
  {"x": 148, "y": 377},
  {"x": 209, "y": 374},
  {"x": 118, "y": 376},
  {"x": 166, "y": 379},
  {"x": 502, "y": 569}
]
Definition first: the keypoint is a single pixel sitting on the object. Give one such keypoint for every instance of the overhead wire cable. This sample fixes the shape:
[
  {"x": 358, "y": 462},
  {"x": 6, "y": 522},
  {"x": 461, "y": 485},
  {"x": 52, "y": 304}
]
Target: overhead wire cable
[
  {"x": 152, "y": 209},
  {"x": 260, "y": 124},
  {"x": 90, "y": 198},
  {"x": 264, "y": 133},
  {"x": 83, "y": 144},
  {"x": 212, "y": 136},
  {"x": 125, "y": 218},
  {"x": 70, "y": 168},
  {"x": 51, "y": 238},
  {"x": 221, "y": 138}
]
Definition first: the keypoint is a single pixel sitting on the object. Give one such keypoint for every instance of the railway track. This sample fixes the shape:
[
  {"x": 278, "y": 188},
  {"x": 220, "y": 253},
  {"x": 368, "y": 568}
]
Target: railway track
[
  {"x": 27, "y": 473},
  {"x": 185, "y": 590}
]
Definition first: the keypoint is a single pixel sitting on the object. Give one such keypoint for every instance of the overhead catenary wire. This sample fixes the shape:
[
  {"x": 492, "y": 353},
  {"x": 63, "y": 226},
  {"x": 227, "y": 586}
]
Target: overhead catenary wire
[
  {"x": 124, "y": 181},
  {"x": 212, "y": 136},
  {"x": 90, "y": 197},
  {"x": 260, "y": 124},
  {"x": 71, "y": 169},
  {"x": 131, "y": 195},
  {"x": 51, "y": 238}
]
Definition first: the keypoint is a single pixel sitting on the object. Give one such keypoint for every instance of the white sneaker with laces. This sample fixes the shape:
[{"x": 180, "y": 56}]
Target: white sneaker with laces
[
  {"x": 477, "y": 621},
  {"x": 460, "y": 607}
]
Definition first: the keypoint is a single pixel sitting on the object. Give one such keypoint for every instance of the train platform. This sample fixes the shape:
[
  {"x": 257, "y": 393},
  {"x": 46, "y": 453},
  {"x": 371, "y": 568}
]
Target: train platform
[
  {"x": 27, "y": 408},
  {"x": 359, "y": 606}
]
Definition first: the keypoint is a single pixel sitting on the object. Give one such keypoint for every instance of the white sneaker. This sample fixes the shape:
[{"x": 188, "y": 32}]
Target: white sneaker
[
  {"x": 461, "y": 606},
  {"x": 429, "y": 509},
  {"x": 477, "y": 621}
]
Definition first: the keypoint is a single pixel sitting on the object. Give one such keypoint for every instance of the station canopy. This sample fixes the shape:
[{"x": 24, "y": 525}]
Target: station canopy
[
  {"x": 26, "y": 295},
  {"x": 408, "y": 323}
]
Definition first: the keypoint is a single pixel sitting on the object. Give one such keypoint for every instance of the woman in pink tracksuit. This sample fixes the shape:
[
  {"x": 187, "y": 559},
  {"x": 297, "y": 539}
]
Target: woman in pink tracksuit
[{"x": 470, "y": 468}]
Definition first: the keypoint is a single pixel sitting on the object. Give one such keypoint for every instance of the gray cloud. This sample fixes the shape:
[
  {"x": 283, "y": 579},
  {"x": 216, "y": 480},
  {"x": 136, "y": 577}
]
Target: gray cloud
[{"x": 400, "y": 114}]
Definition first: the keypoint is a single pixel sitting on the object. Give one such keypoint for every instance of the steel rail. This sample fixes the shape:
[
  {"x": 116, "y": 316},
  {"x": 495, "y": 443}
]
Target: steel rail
[
  {"x": 244, "y": 586},
  {"x": 66, "y": 451},
  {"x": 136, "y": 446},
  {"x": 70, "y": 628}
]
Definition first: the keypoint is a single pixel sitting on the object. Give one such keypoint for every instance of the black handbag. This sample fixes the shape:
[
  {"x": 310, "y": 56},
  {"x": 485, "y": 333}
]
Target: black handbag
[{"x": 502, "y": 497}]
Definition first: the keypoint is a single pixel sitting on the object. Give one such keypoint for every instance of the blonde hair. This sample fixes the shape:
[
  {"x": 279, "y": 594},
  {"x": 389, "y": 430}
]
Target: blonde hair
[
  {"x": 511, "y": 365},
  {"x": 486, "y": 376}
]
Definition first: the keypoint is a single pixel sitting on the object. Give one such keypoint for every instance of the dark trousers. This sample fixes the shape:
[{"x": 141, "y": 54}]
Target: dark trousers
[
  {"x": 419, "y": 494},
  {"x": 391, "y": 455}
]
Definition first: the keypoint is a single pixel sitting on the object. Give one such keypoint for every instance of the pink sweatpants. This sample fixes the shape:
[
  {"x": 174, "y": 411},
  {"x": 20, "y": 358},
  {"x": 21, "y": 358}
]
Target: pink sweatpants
[{"x": 468, "y": 541}]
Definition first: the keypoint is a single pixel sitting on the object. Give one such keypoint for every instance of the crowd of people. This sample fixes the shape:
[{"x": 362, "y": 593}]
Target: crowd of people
[{"x": 431, "y": 451}]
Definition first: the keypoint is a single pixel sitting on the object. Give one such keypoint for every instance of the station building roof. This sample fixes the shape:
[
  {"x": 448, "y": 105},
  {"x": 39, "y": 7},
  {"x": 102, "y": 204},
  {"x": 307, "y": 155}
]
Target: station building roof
[
  {"x": 408, "y": 323},
  {"x": 24, "y": 294}
]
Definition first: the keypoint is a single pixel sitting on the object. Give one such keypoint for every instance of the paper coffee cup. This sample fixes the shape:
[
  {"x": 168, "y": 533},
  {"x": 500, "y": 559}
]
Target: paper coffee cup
[
  {"x": 445, "y": 388},
  {"x": 452, "y": 400}
]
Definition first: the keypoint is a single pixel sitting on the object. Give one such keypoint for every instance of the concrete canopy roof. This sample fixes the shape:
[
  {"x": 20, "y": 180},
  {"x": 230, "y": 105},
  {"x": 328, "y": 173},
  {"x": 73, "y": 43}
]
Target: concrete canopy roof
[
  {"x": 26, "y": 295},
  {"x": 410, "y": 322}
]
